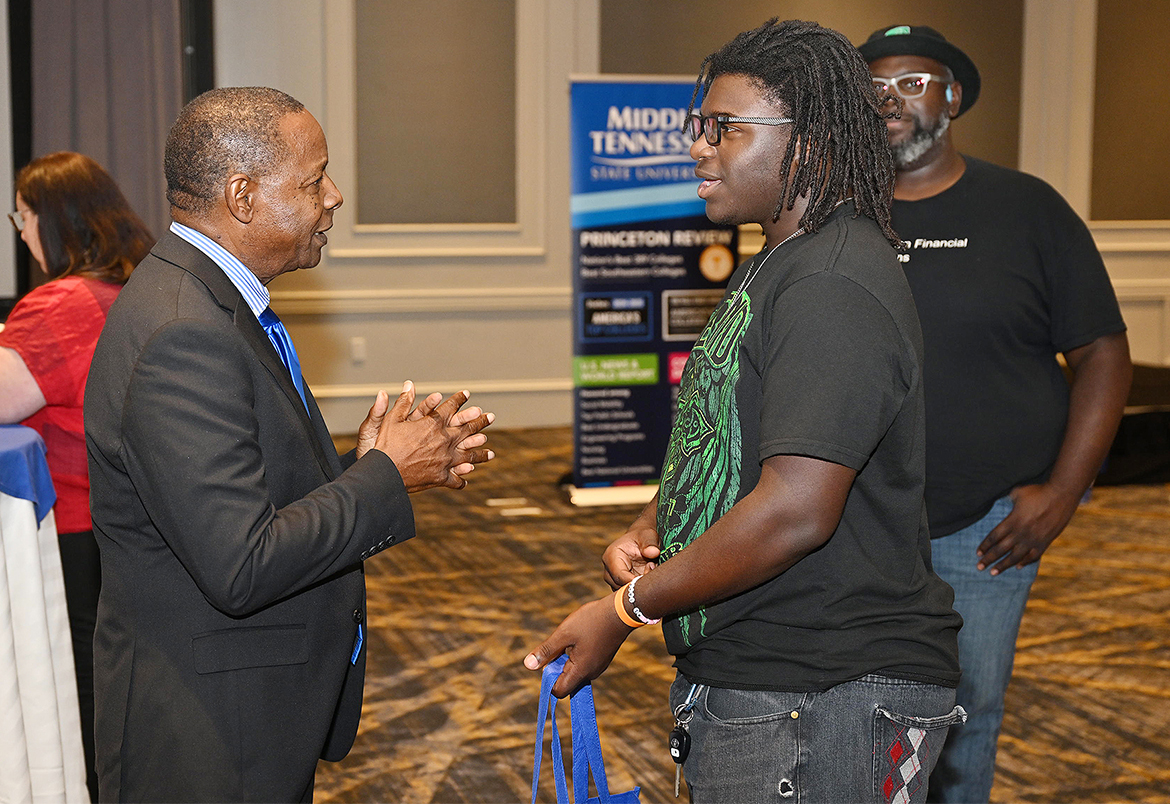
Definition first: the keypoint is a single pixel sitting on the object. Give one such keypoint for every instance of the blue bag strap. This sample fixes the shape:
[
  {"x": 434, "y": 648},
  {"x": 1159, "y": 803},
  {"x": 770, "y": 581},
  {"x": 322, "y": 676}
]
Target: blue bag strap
[
  {"x": 548, "y": 705},
  {"x": 586, "y": 748}
]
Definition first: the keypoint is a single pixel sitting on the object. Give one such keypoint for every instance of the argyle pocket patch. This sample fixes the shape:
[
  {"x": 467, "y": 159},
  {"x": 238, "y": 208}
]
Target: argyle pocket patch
[{"x": 905, "y": 751}]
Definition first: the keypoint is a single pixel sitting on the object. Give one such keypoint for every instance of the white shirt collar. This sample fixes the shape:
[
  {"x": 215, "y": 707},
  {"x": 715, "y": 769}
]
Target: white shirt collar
[{"x": 254, "y": 293}]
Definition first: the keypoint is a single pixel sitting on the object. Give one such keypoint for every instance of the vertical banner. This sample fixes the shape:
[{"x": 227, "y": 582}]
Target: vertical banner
[{"x": 648, "y": 269}]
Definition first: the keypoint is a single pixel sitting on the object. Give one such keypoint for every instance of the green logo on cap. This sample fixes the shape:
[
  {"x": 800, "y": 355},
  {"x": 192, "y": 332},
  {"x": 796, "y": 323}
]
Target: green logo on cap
[{"x": 898, "y": 29}]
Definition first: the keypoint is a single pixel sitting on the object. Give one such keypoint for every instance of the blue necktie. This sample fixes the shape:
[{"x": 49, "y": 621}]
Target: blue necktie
[{"x": 284, "y": 347}]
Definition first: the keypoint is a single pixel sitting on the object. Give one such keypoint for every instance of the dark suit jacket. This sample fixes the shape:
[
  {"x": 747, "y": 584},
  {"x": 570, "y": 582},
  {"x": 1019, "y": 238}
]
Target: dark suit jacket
[{"x": 231, "y": 544}]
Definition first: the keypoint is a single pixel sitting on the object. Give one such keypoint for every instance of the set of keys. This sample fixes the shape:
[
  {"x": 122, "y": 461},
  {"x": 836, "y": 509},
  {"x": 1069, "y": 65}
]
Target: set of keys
[{"x": 680, "y": 739}]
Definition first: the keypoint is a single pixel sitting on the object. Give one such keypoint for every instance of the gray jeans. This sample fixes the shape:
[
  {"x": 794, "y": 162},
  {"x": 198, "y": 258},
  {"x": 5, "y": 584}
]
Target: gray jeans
[{"x": 871, "y": 740}]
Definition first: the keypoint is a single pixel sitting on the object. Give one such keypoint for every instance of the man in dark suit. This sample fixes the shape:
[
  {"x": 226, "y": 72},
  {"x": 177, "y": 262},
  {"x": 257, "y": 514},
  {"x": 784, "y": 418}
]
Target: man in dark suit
[{"x": 229, "y": 652}]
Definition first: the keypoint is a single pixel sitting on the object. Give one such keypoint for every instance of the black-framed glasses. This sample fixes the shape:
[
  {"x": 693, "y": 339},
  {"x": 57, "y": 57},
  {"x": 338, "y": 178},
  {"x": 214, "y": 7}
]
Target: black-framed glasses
[
  {"x": 908, "y": 85},
  {"x": 711, "y": 126},
  {"x": 17, "y": 220}
]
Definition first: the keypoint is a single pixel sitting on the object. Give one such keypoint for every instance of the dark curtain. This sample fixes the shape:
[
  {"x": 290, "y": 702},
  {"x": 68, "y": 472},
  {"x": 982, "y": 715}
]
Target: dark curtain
[{"x": 107, "y": 81}]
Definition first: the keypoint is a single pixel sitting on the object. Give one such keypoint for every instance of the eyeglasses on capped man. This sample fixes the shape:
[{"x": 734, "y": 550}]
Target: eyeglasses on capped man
[{"x": 907, "y": 85}]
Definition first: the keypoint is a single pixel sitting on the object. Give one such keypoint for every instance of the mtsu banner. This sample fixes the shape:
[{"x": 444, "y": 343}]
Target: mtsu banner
[{"x": 648, "y": 269}]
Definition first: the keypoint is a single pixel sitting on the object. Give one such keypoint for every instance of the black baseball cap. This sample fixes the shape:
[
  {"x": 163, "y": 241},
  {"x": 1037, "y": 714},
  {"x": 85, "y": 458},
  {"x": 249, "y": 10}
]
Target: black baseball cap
[{"x": 920, "y": 40}]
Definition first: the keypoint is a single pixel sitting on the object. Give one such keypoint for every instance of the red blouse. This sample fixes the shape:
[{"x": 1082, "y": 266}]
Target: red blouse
[{"x": 54, "y": 329}]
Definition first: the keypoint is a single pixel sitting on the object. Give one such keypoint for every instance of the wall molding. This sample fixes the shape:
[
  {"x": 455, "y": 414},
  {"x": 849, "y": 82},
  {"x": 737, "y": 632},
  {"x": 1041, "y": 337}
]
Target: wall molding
[
  {"x": 1150, "y": 289},
  {"x": 441, "y": 228},
  {"x": 469, "y": 253},
  {"x": 1151, "y": 237},
  {"x": 423, "y": 387},
  {"x": 528, "y": 236},
  {"x": 425, "y": 300}
]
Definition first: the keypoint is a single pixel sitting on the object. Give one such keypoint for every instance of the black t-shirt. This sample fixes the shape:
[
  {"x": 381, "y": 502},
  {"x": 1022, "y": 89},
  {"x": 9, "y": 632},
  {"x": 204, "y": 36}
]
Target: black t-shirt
[
  {"x": 818, "y": 355},
  {"x": 1005, "y": 275}
]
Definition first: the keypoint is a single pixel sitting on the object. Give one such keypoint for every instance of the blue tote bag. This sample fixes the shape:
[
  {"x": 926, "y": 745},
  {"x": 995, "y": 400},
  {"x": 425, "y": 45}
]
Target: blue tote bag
[{"x": 586, "y": 746}]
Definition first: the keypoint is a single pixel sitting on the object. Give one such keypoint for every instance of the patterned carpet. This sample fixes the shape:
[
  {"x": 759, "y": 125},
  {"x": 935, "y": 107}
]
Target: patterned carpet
[{"x": 450, "y": 711}]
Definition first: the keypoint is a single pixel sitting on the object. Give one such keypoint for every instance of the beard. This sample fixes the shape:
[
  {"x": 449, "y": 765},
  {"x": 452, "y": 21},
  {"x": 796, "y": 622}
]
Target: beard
[{"x": 922, "y": 138}]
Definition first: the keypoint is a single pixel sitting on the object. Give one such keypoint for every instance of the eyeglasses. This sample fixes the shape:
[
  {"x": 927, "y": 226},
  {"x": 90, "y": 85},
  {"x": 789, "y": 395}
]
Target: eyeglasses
[
  {"x": 711, "y": 126},
  {"x": 17, "y": 220},
  {"x": 908, "y": 85}
]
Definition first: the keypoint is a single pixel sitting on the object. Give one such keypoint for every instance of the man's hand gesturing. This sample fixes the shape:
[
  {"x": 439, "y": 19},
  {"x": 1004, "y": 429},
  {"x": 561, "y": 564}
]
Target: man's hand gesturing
[{"x": 432, "y": 445}]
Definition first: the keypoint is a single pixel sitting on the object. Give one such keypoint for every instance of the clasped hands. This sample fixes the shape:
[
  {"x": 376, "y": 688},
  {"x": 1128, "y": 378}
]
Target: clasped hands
[{"x": 434, "y": 444}]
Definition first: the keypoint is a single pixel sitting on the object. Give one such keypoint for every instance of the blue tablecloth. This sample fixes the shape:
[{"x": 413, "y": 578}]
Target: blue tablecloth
[{"x": 24, "y": 472}]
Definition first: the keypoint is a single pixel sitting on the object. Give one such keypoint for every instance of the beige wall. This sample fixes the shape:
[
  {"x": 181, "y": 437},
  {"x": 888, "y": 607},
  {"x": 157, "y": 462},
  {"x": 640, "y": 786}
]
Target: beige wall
[
  {"x": 417, "y": 112},
  {"x": 1131, "y": 120},
  {"x": 673, "y": 36},
  {"x": 487, "y": 306},
  {"x": 450, "y": 305}
]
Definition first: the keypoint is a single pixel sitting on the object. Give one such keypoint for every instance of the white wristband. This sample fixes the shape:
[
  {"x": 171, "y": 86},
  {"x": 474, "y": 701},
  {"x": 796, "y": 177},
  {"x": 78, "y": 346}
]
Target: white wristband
[{"x": 642, "y": 618}]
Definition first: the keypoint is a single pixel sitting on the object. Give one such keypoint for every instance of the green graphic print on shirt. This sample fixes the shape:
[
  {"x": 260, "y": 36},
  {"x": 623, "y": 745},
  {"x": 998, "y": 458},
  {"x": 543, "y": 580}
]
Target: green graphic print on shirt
[{"x": 700, "y": 479}]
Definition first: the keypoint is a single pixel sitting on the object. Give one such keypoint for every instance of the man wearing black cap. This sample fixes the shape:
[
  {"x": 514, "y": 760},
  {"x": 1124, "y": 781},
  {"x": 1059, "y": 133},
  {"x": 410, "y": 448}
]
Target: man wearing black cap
[{"x": 1005, "y": 276}]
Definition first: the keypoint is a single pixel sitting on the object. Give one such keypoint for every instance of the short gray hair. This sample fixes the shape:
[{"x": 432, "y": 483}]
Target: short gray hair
[{"x": 221, "y": 132}]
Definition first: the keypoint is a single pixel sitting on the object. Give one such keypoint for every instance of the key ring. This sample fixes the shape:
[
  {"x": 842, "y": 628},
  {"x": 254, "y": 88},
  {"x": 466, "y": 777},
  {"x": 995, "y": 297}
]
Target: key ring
[{"x": 687, "y": 707}]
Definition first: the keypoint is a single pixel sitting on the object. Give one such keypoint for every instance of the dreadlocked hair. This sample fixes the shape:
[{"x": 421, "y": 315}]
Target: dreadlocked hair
[{"x": 839, "y": 139}]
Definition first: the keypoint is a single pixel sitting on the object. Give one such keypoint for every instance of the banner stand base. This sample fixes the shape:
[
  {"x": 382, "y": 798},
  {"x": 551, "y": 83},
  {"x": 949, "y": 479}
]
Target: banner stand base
[{"x": 612, "y": 495}]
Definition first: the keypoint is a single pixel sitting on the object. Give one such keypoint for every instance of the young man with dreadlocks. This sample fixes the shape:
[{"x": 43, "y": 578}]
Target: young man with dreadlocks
[{"x": 787, "y": 548}]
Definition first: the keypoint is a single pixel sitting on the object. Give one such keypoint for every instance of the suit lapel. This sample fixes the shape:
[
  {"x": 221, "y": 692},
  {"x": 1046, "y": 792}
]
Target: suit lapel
[
  {"x": 257, "y": 338},
  {"x": 178, "y": 251},
  {"x": 318, "y": 422}
]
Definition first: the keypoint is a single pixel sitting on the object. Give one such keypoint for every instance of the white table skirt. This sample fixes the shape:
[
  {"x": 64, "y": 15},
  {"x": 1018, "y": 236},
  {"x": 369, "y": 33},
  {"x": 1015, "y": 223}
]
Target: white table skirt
[{"x": 41, "y": 758}]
